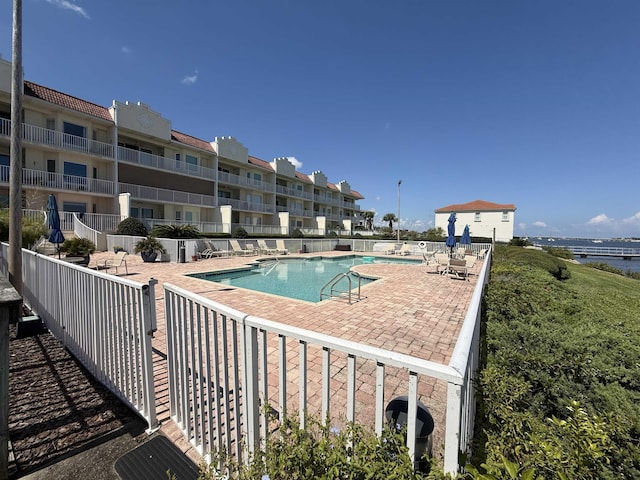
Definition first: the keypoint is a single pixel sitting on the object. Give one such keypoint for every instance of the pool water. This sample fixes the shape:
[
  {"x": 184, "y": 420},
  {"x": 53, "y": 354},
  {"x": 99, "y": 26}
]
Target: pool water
[{"x": 299, "y": 278}]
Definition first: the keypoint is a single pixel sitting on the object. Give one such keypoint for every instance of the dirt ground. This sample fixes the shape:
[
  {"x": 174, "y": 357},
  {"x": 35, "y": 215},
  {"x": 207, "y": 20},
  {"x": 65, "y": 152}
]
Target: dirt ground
[{"x": 56, "y": 409}]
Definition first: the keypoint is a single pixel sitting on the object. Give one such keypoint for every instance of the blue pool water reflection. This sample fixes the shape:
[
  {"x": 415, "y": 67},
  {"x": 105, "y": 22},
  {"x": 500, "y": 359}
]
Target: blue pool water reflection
[{"x": 299, "y": 278}]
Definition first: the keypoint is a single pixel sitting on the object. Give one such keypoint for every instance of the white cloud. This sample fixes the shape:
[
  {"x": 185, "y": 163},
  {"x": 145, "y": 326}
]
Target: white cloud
[
  {"x": 539, "y": 224},
  {"x": 70, "y": 5},
  {"x": 296, "y": 163},
  {"x": 190, "y": 79},
  {"x": 126, "y": 50},
  {"x": 601, "y": 219},
  {"x": 378, "y": 198},
  {"x": 634, "y": 219},
  {"x": 522, "y": 226}
]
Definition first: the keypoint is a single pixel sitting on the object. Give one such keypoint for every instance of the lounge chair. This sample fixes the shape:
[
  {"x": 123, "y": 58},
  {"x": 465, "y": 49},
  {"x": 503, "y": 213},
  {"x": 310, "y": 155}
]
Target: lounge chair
[
  {"x": 404, "y": 250},
  {"x": 266, "y": 249},
  {"x": 389, "y": 248},
  {"x": 237, "y": 249},
  {"x": 457, "y": 267},
  {"x": 116, "y": 261},
  {"x": 251, "y": 250},
  {"x": 281, "y": 249},
  {"x": 470, "y": 261},
  {"x": 482, "y": 253},
  {"x": 442, "y": 263},
  {"x": 208, "y": 251}
]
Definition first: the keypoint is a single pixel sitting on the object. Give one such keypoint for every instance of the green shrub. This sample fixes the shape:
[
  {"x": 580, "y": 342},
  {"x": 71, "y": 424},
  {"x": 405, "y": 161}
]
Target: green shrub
[
  {"x": 32, "y": 230},
  {"x": 78, "y": 247},
  {"x": 321, "y": 451},
  {"x": 520, "y": 242},
  {"x": 533, "y": 257},
  {"x": 149, "y": 245},
  {"x": 239, "y": 232},
  {"x": 175, "y": 231},
  {"x": 559, "y": 252},
  {"x": 132, "y": 226},
  {"x": 297, "y": 233}
]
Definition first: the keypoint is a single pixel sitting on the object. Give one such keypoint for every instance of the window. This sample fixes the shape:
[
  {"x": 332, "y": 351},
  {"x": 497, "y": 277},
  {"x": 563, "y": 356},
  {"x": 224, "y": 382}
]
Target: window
[
  {"x": 75, "y": 169},
  {"x": 192, "y": 163},
  {"x": 189, "y": 216},
  {"x": 178, "y": 215},
  {"x": 223, "y": 194},
  {"x": 147, "y": 212},
  {"x": 51, "y": 166},
  {"x": 74, "y": 207},
  {"x": 505, "y": 216},
  {"x": 73, "y": 129},
  {"x": 477, "y": 217},
  {"x": 178, "y": 161}
]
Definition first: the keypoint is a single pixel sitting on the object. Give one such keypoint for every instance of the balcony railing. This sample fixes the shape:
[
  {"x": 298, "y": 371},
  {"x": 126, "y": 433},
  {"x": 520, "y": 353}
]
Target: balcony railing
[
  {"x": 59, "y": 181},
  {"x": 166, "y": 196},
  {"x": 58, "y": 140},
  {"x": 246, "y": 206},
  {"x": 155, "y": 161},
  {"x": 233, "y": 179},
  {"x": 292, "y": 192}
]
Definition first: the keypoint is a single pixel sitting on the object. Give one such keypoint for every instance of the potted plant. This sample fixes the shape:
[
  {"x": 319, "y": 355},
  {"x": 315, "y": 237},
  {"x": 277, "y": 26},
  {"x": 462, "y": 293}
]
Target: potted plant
[
  {"x": 117, "y": 248},
  {"x": 148, "y": 248},
  {"x": 78, "y": 247}
]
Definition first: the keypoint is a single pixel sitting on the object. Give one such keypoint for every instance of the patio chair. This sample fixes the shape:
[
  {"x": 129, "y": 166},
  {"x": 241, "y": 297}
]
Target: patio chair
[
  {"x": 237, "y": 249},
  {"x": 404, "y": 250},
  {"x": 116, "y": 261},
  {"x": 482, "y": 253},
  {"x": 442, "y": 263},
  {"x": 470, "y": 261},
  {"x": 389, "y": 248},
  {"x": 208, "y": 251},
  {"x": 281, "y": 248},
  {"x": 458, "y": 268},
  {"x": 250, "y": 249},
  {"x": 266, "y": 249}
]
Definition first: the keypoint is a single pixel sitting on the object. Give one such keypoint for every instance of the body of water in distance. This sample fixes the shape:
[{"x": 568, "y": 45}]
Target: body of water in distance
[{"x": 617, "y": 262}]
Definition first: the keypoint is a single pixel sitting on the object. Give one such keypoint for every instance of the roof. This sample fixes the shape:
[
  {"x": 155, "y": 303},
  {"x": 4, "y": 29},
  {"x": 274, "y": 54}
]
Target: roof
[
  {"x": 191, "y": 141},
  {"x": 260, "y": 163},
  {"x": 67, "y": 101},
  {"x": 477, "y": 206}
]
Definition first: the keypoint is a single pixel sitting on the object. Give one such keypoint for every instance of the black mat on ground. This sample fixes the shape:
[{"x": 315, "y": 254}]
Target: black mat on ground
[{"x": 152, "y": 459}]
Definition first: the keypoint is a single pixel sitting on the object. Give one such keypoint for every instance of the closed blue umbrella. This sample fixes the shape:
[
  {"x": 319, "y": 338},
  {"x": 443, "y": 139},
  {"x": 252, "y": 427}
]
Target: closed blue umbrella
[
  {"x": 465, "y": 239},
  {"x": 451, "y": 229},
  {"x": 55, "y": 234}
]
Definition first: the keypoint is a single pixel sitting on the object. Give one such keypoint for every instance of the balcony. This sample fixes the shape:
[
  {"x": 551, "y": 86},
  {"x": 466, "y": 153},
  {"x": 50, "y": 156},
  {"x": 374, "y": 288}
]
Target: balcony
[
  {"x": 161, "y": 195},
  {"x": 162, "y": 163},
  {"x": 296, "y": 212},
  {"x": 292, "y": 192},
  {"x": 246, "y": 206},
  {"x": 58, "y": 140},
  {"x": 250, "y": 183},
  {"x": 326, "y": 200},
  {"x": 59, "y": 181}
]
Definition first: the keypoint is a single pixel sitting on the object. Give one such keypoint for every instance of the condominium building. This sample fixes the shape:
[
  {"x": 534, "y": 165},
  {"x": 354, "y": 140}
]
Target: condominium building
[{"x": 125, "y": 159}]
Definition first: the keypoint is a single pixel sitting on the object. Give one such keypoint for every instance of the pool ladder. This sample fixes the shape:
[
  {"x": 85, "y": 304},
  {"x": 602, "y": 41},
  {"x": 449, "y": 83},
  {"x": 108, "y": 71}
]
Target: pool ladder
[{"x": 333, "y": 292}]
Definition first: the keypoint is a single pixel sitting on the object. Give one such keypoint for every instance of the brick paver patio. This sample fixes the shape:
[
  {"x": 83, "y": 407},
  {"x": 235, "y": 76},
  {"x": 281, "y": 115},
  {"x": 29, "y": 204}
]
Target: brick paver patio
[{"x": 411, "y": 309}]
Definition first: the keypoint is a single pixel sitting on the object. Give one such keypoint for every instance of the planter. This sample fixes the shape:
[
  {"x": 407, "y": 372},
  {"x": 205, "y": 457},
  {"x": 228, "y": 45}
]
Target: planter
[{"x": 148, "y": 256}]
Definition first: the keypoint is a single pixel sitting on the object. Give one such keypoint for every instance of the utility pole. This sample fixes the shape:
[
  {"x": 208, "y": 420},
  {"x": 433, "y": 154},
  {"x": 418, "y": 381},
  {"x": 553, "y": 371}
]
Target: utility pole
[
  {"x": 399, "y": 182},
  {"x": 15, "y": 171}
]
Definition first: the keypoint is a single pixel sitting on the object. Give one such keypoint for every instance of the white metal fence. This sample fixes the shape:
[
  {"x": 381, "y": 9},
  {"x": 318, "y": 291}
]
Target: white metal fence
[
  {"x": 223, "y": 365},
  {"x": 105, "y": 321}
]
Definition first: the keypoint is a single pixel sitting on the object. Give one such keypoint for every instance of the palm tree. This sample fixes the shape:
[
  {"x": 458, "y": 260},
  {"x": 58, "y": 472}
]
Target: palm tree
[
  {"x": 390, "y": 217},
  {"x": 368, "y": 219}
]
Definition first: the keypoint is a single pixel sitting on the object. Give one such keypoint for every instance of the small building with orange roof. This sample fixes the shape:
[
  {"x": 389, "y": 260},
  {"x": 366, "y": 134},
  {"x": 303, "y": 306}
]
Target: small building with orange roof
[{"x": 485, "y": 219}]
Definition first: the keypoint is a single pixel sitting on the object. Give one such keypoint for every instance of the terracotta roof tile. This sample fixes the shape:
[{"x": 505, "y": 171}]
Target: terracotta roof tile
[
  {"x": 260, "y": 163},
  {"x": 304, "y": 177},
  {"x": 191, "y": 141},
  {"x": 67, "y": 101},
  {"x": 476, "y": 206}
]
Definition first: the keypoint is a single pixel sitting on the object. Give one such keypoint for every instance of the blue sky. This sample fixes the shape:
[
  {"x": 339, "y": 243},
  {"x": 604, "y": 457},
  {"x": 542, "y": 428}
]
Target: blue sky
[{"x": 530, "y": 102}]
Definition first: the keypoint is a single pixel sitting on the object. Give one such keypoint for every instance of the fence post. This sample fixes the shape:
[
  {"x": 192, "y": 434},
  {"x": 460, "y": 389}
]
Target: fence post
[
  {"x": 452, "y": 428},
  {"x": 10, "y": 302},
  {"x": 252, "y": 392},
  {"x": 148, "y": 327}
]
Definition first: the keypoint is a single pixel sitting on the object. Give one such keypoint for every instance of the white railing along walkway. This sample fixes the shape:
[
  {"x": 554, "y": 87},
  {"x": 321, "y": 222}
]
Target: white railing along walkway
[
  {"x": 222, "y": 364},
  {"x": 105, "y": 321}
]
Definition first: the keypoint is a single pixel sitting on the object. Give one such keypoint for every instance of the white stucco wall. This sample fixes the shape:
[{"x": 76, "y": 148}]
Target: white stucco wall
[{"x": 484, "y": 227}]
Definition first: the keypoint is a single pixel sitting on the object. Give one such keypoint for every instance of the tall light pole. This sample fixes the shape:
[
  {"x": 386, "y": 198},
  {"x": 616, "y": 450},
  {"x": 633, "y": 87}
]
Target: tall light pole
[{"x": 399, "y": 183}]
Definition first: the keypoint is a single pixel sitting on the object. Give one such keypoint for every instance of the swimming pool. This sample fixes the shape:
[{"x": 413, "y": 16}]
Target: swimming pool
[{"x": 299, "y": 278}]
